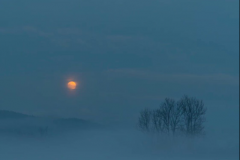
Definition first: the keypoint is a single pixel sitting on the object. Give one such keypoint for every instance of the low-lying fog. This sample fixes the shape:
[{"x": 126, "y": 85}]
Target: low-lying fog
[{"x": 117, "y": 145}]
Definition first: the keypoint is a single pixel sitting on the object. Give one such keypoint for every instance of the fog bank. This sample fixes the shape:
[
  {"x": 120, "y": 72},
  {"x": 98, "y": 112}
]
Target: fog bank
[{"x": 118, "y": 145}]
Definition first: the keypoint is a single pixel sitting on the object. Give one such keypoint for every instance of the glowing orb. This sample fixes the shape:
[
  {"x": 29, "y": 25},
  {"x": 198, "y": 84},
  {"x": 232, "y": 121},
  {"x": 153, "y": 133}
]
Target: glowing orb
[{"x": 72, "y": 85}]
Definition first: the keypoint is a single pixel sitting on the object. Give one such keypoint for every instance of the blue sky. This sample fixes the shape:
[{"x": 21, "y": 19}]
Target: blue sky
[{"x": 126, "y": 55}]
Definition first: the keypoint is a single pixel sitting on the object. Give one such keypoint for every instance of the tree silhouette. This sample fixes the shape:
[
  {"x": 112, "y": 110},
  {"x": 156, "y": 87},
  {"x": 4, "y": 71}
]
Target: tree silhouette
[
  {"x": 145, "y": 120},
  {"x": 186, "y": 116},
  {"x": 157, "y": 121},
  {"x": 193, "y": 112}
]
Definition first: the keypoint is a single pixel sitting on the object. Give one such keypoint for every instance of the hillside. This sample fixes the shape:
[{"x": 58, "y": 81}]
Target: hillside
[{"x": 13, "y": 123}]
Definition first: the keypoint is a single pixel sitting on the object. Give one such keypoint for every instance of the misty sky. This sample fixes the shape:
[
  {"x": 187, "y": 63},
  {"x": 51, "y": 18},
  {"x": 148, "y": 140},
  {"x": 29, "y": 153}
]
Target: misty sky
[{"x": 126, "y": 55}]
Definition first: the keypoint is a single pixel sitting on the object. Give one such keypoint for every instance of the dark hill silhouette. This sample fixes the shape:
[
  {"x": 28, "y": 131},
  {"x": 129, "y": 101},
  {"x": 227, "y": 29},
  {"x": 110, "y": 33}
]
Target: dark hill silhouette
[
  {"x": 4, "y": 114},
  {"x": 23, "y": 124}
]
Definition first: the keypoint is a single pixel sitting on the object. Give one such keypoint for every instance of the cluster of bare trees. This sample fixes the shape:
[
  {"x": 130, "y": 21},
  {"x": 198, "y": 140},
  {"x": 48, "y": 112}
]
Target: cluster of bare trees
[{"x": 185, "y": 116}]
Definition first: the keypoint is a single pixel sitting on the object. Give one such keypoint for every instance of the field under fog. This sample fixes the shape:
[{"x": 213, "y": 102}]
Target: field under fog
[{"x": 117, "y": 145}]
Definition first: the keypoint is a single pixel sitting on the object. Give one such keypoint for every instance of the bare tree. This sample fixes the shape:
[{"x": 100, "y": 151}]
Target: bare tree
[
  {"x": 175, "y": 118},
  {"x": 187, "y": 116},
  {"x": 144, "y": 120},
  {"x": 193, "y": 112},
  {"x": 157, "y": 121},
  {"x": 165, "y": 110},
  {"x": 171, "y": 115}
]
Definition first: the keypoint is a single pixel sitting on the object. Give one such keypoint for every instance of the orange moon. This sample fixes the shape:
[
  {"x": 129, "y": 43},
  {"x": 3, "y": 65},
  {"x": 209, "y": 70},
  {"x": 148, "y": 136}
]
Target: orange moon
[{"x": 72, "y": 85}]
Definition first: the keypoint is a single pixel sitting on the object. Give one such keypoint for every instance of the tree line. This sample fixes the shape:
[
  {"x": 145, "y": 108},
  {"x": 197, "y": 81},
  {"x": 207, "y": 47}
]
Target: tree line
[{"x": 185, "y": 116}]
